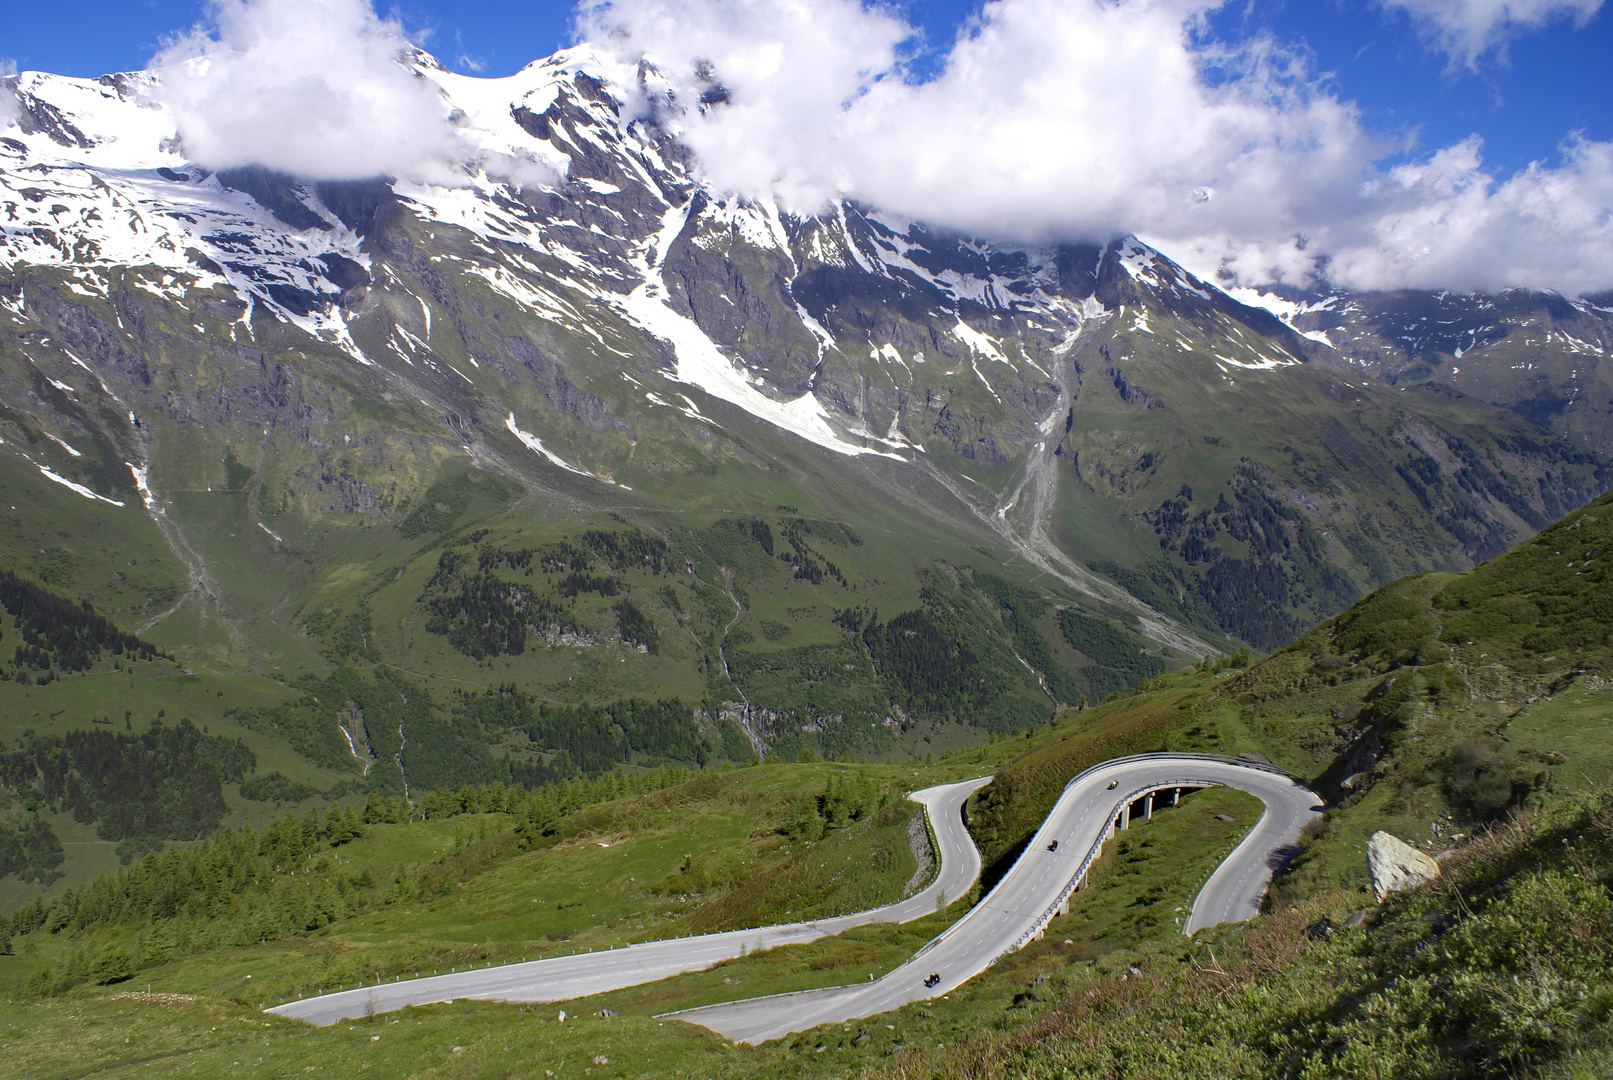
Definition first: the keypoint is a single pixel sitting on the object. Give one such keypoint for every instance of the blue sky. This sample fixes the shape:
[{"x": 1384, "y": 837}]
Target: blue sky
[{"x": 1553, "y": 81}]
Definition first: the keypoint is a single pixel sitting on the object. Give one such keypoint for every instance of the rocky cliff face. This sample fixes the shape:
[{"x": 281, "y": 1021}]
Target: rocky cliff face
[{"x": 617, "y": 332}]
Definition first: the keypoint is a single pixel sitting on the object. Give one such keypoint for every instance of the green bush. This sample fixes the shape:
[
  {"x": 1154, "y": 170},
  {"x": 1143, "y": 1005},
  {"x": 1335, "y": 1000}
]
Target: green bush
[
  {"x": 1479, "y": 780},
  {"x": 1118, "y": 660}
]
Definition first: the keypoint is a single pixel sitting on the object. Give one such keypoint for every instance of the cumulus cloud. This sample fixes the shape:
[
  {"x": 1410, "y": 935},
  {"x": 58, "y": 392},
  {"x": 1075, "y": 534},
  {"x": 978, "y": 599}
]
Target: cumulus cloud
[
  {"x": 787, "y": 67},
  {"x": 1051, "y": 116},
  {"x": 1049, "y": 120},
  {"x": 1467, "y": 30},
  {"x": 1444, "y": 222},
  {"x": 9, "y": 109},
  {"x": 1064, "y": 119},
  {"x": 308, "y": 87}
]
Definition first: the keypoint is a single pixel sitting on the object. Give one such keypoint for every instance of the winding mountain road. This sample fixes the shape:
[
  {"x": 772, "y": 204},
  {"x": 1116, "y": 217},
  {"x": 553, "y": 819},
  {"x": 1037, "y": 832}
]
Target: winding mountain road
[
  {"x": 1092, "y": 807},
  {"x": 563, "y": 977},
  {"x": 1090, "y": 810}
]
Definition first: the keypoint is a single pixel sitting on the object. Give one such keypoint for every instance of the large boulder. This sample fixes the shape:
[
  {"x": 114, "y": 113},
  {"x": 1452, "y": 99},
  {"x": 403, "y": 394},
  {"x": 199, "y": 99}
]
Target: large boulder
[{"x": 1395, "y": 865}]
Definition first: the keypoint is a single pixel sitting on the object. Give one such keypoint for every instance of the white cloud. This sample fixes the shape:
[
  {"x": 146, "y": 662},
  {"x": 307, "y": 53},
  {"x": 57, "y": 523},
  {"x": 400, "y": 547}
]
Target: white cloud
[
  {"x": 1469, "y": 29},
  {"x": 1052, "y": 119},
  {"x": 792, "y": 65},
  {"x": 308, "y": 87},
  {"x": 1086, "y": 118},
  {"x": 1052, "y": 116},
  {"x": 8, "y": 98},
  {"x": 1446, "y": 223}
]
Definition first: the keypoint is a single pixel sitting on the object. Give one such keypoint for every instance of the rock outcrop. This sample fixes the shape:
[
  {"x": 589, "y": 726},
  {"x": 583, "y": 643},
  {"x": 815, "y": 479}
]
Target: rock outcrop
[{"x": 1396, "y": 865}]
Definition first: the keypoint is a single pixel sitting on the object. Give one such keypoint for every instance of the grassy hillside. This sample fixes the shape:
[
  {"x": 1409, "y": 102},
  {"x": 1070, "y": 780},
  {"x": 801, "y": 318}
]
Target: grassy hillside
[
  {"x": 1428, "y": 708},
  {"x": 328, "y": 578},
  {"x": 1261, "y": 530},
  {"x": 1464, "y": 713},
  {"x": 200, "y": 1008},
  {"x": 473, "y": 643},
  {"x": 1499, "y": 968},
  {"x": 478, "y": 875}
]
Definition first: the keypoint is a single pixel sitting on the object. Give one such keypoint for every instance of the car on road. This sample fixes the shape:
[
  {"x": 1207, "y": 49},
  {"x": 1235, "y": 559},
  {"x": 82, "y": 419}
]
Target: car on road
[
  {"x": 1113, "y": 784},
  {"x": 1054, "y": 846},
  {"x": 934, "y": 979}
]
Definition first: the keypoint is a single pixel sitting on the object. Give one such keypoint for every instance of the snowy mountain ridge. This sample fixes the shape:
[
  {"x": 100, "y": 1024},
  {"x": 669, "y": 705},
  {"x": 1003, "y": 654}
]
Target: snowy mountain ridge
[
  {"x": 96, "y": 178},
  {"x": 567, "y": 306}
]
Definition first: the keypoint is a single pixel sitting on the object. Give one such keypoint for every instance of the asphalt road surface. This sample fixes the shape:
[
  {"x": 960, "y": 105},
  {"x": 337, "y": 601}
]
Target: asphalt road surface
[
  {"x": 1039, "y": 884},
  {"x": 563, "y": 977}
]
